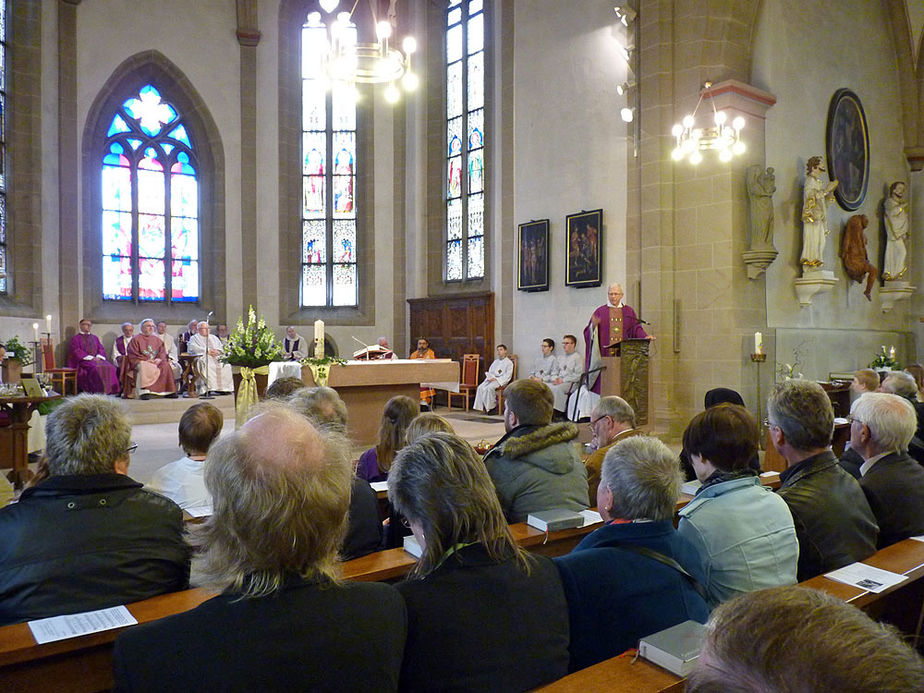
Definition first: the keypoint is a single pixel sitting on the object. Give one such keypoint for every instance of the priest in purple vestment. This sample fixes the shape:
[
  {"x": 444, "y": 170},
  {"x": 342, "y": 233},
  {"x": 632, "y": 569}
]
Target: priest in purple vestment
[
  {"x": 86, "y": 354},
  {"x": 146, "y": 369},
  {"x": 614, "y": 322}
]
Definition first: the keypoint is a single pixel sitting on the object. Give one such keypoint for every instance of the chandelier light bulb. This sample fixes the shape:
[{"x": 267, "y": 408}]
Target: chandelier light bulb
[
  {"x": 677, "y": 154},
  {"x": 738, "y": 123},
  {"x": 392, "y": 95},
  {"x": 688, "y": 146},
  {"x": 410, "y": 81},
  {"x": 677, "y": 130},
  {"x": 627, "y": 114},
  {"x": 383, "y": 30},
  {"x": 329, "y": 5},
  {"x": 409, "y": 44},
  {"x": 688, "y": 121},
  {"x": 720, "y": 117},
  {"x": 696, "y": 157},
  {"x": 738, "y": 148},
  {"x": 725, "y": 155}
]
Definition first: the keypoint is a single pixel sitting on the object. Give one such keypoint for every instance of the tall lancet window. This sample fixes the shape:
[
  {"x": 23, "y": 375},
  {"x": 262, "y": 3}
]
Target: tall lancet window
[
  {"x": 329, "y": 252},
  {"x": 150, "y": 204},
  {"x": 465, "y": 140},
  {"x": 3, "y": 129}
]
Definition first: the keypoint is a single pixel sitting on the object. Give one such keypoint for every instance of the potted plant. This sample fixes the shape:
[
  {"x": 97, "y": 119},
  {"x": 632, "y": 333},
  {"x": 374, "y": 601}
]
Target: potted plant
[
  {"x": 251, "y": 347},
  {"x": 17, "y": 356}
]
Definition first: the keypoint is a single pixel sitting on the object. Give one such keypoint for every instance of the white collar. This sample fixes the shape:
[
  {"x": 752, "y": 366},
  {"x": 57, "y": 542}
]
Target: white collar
[{"x": 868, "y": 464}]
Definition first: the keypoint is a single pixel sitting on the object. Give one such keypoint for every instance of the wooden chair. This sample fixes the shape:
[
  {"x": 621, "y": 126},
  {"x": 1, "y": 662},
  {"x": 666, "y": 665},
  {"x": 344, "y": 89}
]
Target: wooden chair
[
  {"x": 61, "y": 378},
  {"x": 500, "y": 390},
  {"x": 469, "y": 382}
]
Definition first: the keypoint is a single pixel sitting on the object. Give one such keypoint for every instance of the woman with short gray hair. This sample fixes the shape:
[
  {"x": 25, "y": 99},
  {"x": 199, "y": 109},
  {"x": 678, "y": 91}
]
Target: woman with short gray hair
[{"x": 482, "y": 614}]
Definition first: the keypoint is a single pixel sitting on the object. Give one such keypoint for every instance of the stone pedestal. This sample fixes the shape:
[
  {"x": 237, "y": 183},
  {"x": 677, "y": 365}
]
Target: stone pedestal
[
  {"x": 758, "y": 261},
  {"x": 894, "y": 291},
  {"x": 812, "y": 283}
]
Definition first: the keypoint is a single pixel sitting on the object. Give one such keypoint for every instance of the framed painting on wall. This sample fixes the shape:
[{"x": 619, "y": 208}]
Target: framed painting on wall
[
  {"x": 533, "y": 265},
  {"x": 583, "y": 249},
  {"x": 847, "y": 142}
]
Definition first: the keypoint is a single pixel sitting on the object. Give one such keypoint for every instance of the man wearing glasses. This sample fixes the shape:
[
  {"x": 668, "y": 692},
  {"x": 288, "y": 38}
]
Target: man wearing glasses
[
  {"x": 611, "y": 420},
  {"x": 833, "y": 520},
  {"x": 88, "y": 536}
]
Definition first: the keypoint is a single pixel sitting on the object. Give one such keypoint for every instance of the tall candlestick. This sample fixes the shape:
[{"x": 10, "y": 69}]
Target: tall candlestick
[
  {"x": 35, "y": 331},
  {"x": 319, "y": 339},
  {"x": 48, "y": 323}
]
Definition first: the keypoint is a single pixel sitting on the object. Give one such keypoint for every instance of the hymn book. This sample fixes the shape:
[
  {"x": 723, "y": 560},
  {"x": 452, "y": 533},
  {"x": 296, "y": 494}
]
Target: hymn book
[
  {"x": 675, "y": 648},
  {"x": 555, "y": 519}
]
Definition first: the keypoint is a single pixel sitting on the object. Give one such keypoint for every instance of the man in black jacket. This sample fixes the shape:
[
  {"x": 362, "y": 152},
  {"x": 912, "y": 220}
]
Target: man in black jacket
[
  {"x": 88, "y": 537},
  {"x": 881, "y": 427},
  {"x": 281, "y": 490},
  {"x": 833, "y": 521}
]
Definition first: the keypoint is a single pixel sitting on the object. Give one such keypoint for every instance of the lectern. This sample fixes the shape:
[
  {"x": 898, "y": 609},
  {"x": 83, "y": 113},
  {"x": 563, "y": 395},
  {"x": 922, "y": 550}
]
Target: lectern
[{"x": 626, "y": 375}]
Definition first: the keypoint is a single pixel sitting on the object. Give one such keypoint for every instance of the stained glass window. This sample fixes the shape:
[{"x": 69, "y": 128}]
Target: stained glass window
[
  {"x": 3, "y": 171},
  {"x": 328, "y": 160},
  {"x": 465, "y": 157},
  {"x": 150, "y": 204}
]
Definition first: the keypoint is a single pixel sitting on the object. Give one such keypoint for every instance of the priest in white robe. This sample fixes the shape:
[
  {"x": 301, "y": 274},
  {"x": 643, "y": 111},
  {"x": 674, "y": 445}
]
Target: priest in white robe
[
  {"x": 498, "y": 375},
  {"x": 170, "y": 346},
  {"x": 570, "y": 368},
  {"x": 214, "y": 376},
  {"x": 294, "y": 345}
]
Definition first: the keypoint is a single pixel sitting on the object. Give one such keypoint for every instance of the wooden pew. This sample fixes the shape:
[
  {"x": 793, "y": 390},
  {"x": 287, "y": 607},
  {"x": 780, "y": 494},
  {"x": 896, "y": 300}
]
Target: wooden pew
[{"x": 619, "y": 675}]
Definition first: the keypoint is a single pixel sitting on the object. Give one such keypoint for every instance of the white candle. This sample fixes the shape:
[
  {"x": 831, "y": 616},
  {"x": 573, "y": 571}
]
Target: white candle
[
  {"x": 892, "y": 353},
  {"x": 35, "y": 331},
  {"x": 758, "y": 343},
  {"x": 319, "y": 339},
  {"x": 48, "y": 324}
]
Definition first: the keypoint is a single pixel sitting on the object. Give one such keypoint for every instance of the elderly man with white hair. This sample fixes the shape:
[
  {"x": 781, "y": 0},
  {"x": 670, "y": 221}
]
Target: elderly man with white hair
[
  {"x": 881, "y": 426},
  {"x": 214, "y": 376}
]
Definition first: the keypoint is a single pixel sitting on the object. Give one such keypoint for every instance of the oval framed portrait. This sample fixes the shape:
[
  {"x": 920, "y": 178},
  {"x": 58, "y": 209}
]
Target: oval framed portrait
[{"x": 848, "y": 149}]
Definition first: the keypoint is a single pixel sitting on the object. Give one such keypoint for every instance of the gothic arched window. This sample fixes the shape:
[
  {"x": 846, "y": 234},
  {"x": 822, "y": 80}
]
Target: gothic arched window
[
  {"x": 150, "y": 204},
  {"x": 329, "y": 253},
  {"x": 465, "y": 121}
]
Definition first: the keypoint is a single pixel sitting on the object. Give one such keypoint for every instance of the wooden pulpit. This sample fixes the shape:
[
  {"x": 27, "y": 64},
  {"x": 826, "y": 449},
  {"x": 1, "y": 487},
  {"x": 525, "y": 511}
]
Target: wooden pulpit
[{"x": 626, "y": 375}]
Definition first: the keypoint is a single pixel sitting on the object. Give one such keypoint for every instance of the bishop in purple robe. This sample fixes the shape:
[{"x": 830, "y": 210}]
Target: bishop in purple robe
[
  {"x": 86, "y": 354},
  {"x": 615, "y": 322}
]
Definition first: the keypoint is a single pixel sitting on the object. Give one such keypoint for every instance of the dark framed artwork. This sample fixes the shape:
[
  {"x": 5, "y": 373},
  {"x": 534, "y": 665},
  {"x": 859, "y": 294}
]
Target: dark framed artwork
[
  {"x": 584, "y": 249},
  {"x": 848, "y": 149},
  {"x": 533, "y": 265}
]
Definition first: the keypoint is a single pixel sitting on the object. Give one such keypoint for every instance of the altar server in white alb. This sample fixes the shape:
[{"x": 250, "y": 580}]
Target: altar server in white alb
[
  {"x": 570, "y": 368},
  {"x": 498, "y": 375},
  {"x": 214, "y": 376}
]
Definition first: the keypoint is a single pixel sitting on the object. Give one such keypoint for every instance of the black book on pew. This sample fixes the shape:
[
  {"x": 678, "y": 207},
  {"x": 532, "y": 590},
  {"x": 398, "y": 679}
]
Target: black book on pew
[
  {"x": 555, "y": 519},
  {"x": 675, "y": 648}
]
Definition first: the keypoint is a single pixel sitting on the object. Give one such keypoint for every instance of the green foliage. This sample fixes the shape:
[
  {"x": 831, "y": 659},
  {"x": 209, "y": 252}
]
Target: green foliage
[
  {"x": 251, "y": 345},
  {"x": 15, "y": 350},
  {"x": 884, "y": 360}
]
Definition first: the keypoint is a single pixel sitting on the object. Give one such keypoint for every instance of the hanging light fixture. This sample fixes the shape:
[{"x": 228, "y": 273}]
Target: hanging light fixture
[
  {"x": 723, "y": 137},
  {"x": 356, "y": 62},
  {"x": 625, "y": 13}
]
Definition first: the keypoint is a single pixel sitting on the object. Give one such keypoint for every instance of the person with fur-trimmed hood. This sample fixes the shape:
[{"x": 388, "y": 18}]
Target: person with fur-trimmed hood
[{"x": 535, "y": 465}]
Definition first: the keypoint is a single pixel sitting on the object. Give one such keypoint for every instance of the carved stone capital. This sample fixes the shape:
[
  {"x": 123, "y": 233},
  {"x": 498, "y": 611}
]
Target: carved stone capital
[
  {"x": 894, "y": 291},
  {"x": 758, "y": 261}
]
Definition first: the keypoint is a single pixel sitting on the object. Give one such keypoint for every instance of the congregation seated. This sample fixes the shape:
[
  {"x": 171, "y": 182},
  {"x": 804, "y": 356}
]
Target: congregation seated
[
  {"x": 282, "y": 387},
  {"x": 916, "y": 371},
  {"x": 498, "y": 375},
  {"x": 183, "y": 481},
  {"x": 324, "y": 408},
  {"x": 881, "y": 427},
  {"x": 422, "y": 424},
  {"x": 88, "y": 536},
  {"x": 864, "y": 380},
  {"x": 282, "y": 620},
  {"x": 903, "y": 384},
  {"x": 797, "y": 639},
  {"x": 716, "y": 396},
  {"x": 743, "y": 531},
  {"x": 86, "y": 354},
  {"x": 833, "y": 520},
  {"x": 145, "y": 369},
  {"x": 214, "y": 376},
  {"x": 535, "y": 466},
  {"x": 375, "y": 462},
  {"x": 611, "y": 420},
  {"x": 616, "y": 593},
  {"x": 482, "y": 613}
]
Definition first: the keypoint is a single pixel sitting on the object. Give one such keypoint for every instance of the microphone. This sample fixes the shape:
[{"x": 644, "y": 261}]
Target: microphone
[{"x": 361, "y": 342}]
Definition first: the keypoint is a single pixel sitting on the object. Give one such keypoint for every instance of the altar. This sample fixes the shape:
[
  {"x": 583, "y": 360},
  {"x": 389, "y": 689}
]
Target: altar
[{"x": 365, "y": 387}]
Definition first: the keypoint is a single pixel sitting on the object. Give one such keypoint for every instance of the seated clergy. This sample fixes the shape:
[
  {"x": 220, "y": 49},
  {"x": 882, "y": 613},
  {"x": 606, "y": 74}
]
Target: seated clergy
[
  {"x": 191, "y": 331},
  {"x": 294, "y": 345},
  {"x": 570, "y": 368},
  {"x": 183, "y": 481},
  {"x": 170, "y": 346},
  {"x": 535, "y": 466},
  {"x": 611, "y": 420},
  {"x": 742, "y": 530},
  {"x": 498, "y": 375},
  {"x": 94, "y": 373},
  {"x": 145, "y": 370},
  {"x": 546, "y": 369},
  {"x": 120, "y": 346},
  {"x": 881, "y": 427},
  {"x": 324, "y": 408},
  {"x": 88, "y": 536},
  {"x": 798, "y": 639},
  {"x": 615, "y": 595},
  {"x": 282, "y": 620},
  {"x": 214, "y": 376},
  {"x": 833, "y": 520},
  {"x": 483, "y": 615}
]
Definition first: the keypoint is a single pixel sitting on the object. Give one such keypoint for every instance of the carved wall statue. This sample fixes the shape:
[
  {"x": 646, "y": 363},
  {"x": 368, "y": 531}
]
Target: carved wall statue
[
  {"x": 816, "y": 198},
  {"x": 853, "y": 253},
  {"x": 895, "y": 211},
  {"x": 761, "y": 185}
]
